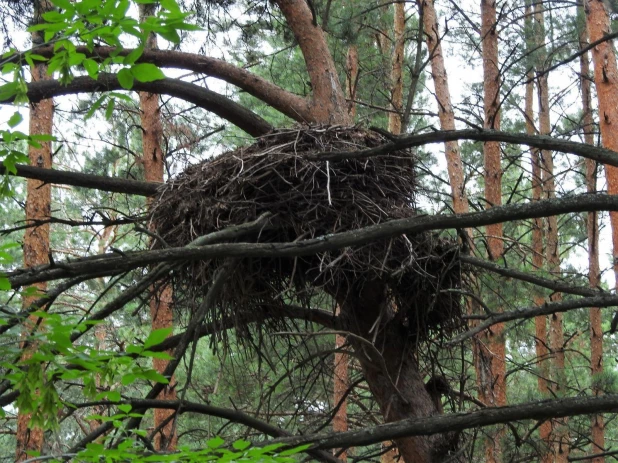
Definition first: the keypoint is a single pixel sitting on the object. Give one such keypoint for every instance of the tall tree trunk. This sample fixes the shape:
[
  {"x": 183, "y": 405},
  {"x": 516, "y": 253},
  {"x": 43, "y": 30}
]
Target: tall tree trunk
[
  {"x": 594, "y": 274},
  {"x": 36, "y": 246},
  {"x": 556, "y": 335},
  {"x": 399, "y": 29},
  {"x": 445, "y": 108},
  {"x": 538, "y": 254},
  {"x": 162, "y": 298},
  {"x": 606, "y": 83},
  {"x": 490, "y": 347}
]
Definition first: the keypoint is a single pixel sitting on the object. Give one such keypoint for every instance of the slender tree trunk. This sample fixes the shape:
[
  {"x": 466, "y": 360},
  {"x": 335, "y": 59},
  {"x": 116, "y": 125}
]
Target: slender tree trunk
[
  {"x": 162, "y": 298},
  {"x": 445, "y": 108},
  {"x": 490, "y": 347},
  {"x": 594, "y": 274},
  {"x": 560, "y": 434},
  {"x": 606, "y": 83},
  {"x": 394, "y": 118},
  {"x": 36, "y": 245},
  {"x": 351, "y": 80},
  {"x": 538, "y": 252},
  {"x": 341, "y": 384}
]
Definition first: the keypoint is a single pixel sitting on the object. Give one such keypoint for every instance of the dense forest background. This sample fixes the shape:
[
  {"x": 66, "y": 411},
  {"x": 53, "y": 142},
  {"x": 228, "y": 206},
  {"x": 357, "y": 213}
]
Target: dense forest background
[{"x": 308, "y": 230}]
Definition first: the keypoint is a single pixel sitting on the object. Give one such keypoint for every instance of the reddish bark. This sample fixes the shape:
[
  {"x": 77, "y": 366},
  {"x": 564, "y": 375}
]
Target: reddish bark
[
  {"x": 606, "y": 83},
  {"x": 340, "y": 420},
  {"x": 594, "y": 274},
  {"x": 538, "y": 262},
  {"x": 399, "y": 29},
  {"x": 351, "y": 80},
  {"x": 491, "y": 104},
  {"x": 490, "y": 358},
  {"x": 36, "y": 245},
  {"x": 162, "y": 298},
  {"x": 328, "y": 102},
  {"x": 445, "y": 108}
]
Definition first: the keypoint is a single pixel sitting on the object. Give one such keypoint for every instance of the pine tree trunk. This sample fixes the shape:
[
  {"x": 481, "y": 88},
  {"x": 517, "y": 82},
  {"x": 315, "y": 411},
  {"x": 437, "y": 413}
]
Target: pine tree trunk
[
  {"x": 394, "y": 118},
  {"x": 606, "y": 83},
  {"x": 445, "y": 109},
  {"x": 594, "y": 274},
  {"x": 328, "y": 104},
  {"x": 162, "y": 298},
  {"x": 490, "y": 347},
  {"x": 352, "y": 80},
  {"x": 341, "y": 384},
  {"x": 560, "y": 433},
  {"x": 36, "y": 245},
  {"x": 390, "y": 369}
]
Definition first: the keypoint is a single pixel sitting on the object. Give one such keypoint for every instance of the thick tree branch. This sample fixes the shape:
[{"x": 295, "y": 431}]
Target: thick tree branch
[
  {"x": 221, "y": 106},
  {"x": 97, "y": 182},
  {"x": 599, "y": 154},
  {"x": 440, "y": 424},
  {"x": 107, "y": 264},
  {"x": 293, "y": 106}
]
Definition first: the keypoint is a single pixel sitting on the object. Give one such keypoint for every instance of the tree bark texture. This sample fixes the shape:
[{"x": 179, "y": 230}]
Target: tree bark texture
[
  {"x": 606, "y": 83},
  {"x": 538, "y": 257},
  {"x": 490, "y": 358},
  {"x": 445, "y": 108},
  {"x": 161, "y": 300},
  {"x": 341, "y": 384},
  {"x": 491, "y": 104},
  {"x": 399, "y": 36},
  {"x": 560, "y": 434},
  {"x": 36, "y": 246},
  {"x": 597, "y": 423},
  {"x": 328, "y": 102},
  {"x": 387, "y": 359}
]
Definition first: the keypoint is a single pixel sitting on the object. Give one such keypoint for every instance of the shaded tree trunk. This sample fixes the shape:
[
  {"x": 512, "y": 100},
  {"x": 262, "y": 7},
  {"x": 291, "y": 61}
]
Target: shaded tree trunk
[
  {"x": 36, "y": 245},
  {"x": 399, "y": 35},
  {"x": 161, "y": 301},
  {"x": 352, "y": 80},
  {"x": 490, "y": 348},
  {"x": 592, "y": 225},
  {"x": 390, "y": 368},
  {"x": 341, "y": 384}
]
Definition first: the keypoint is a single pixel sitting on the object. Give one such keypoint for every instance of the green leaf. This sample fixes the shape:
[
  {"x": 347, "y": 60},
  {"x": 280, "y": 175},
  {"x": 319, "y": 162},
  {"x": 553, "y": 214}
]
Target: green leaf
[
  {"x": 157, "y": 337},
  {"x": 5, "y": 285},
  {"x": 147, "y": 72},
  {"x": 109, "y": 111},
  {"x": 152, "y": 375},
  {"x": 170, "y": 5},
  {"x": 125, "y": 78},
  {"x": 241, "y": 444},
  {"x": 15, "y": 119},
  {"x": 132, "y": 57},
  {"x": 125, "y": 408},
  {"x": 96, "y": 105},
  {"x": 215, "y": 442}
]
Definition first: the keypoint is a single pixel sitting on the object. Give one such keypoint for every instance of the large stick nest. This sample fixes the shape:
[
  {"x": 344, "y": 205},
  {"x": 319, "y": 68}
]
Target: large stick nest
[{"x": 309, "y": 198}]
